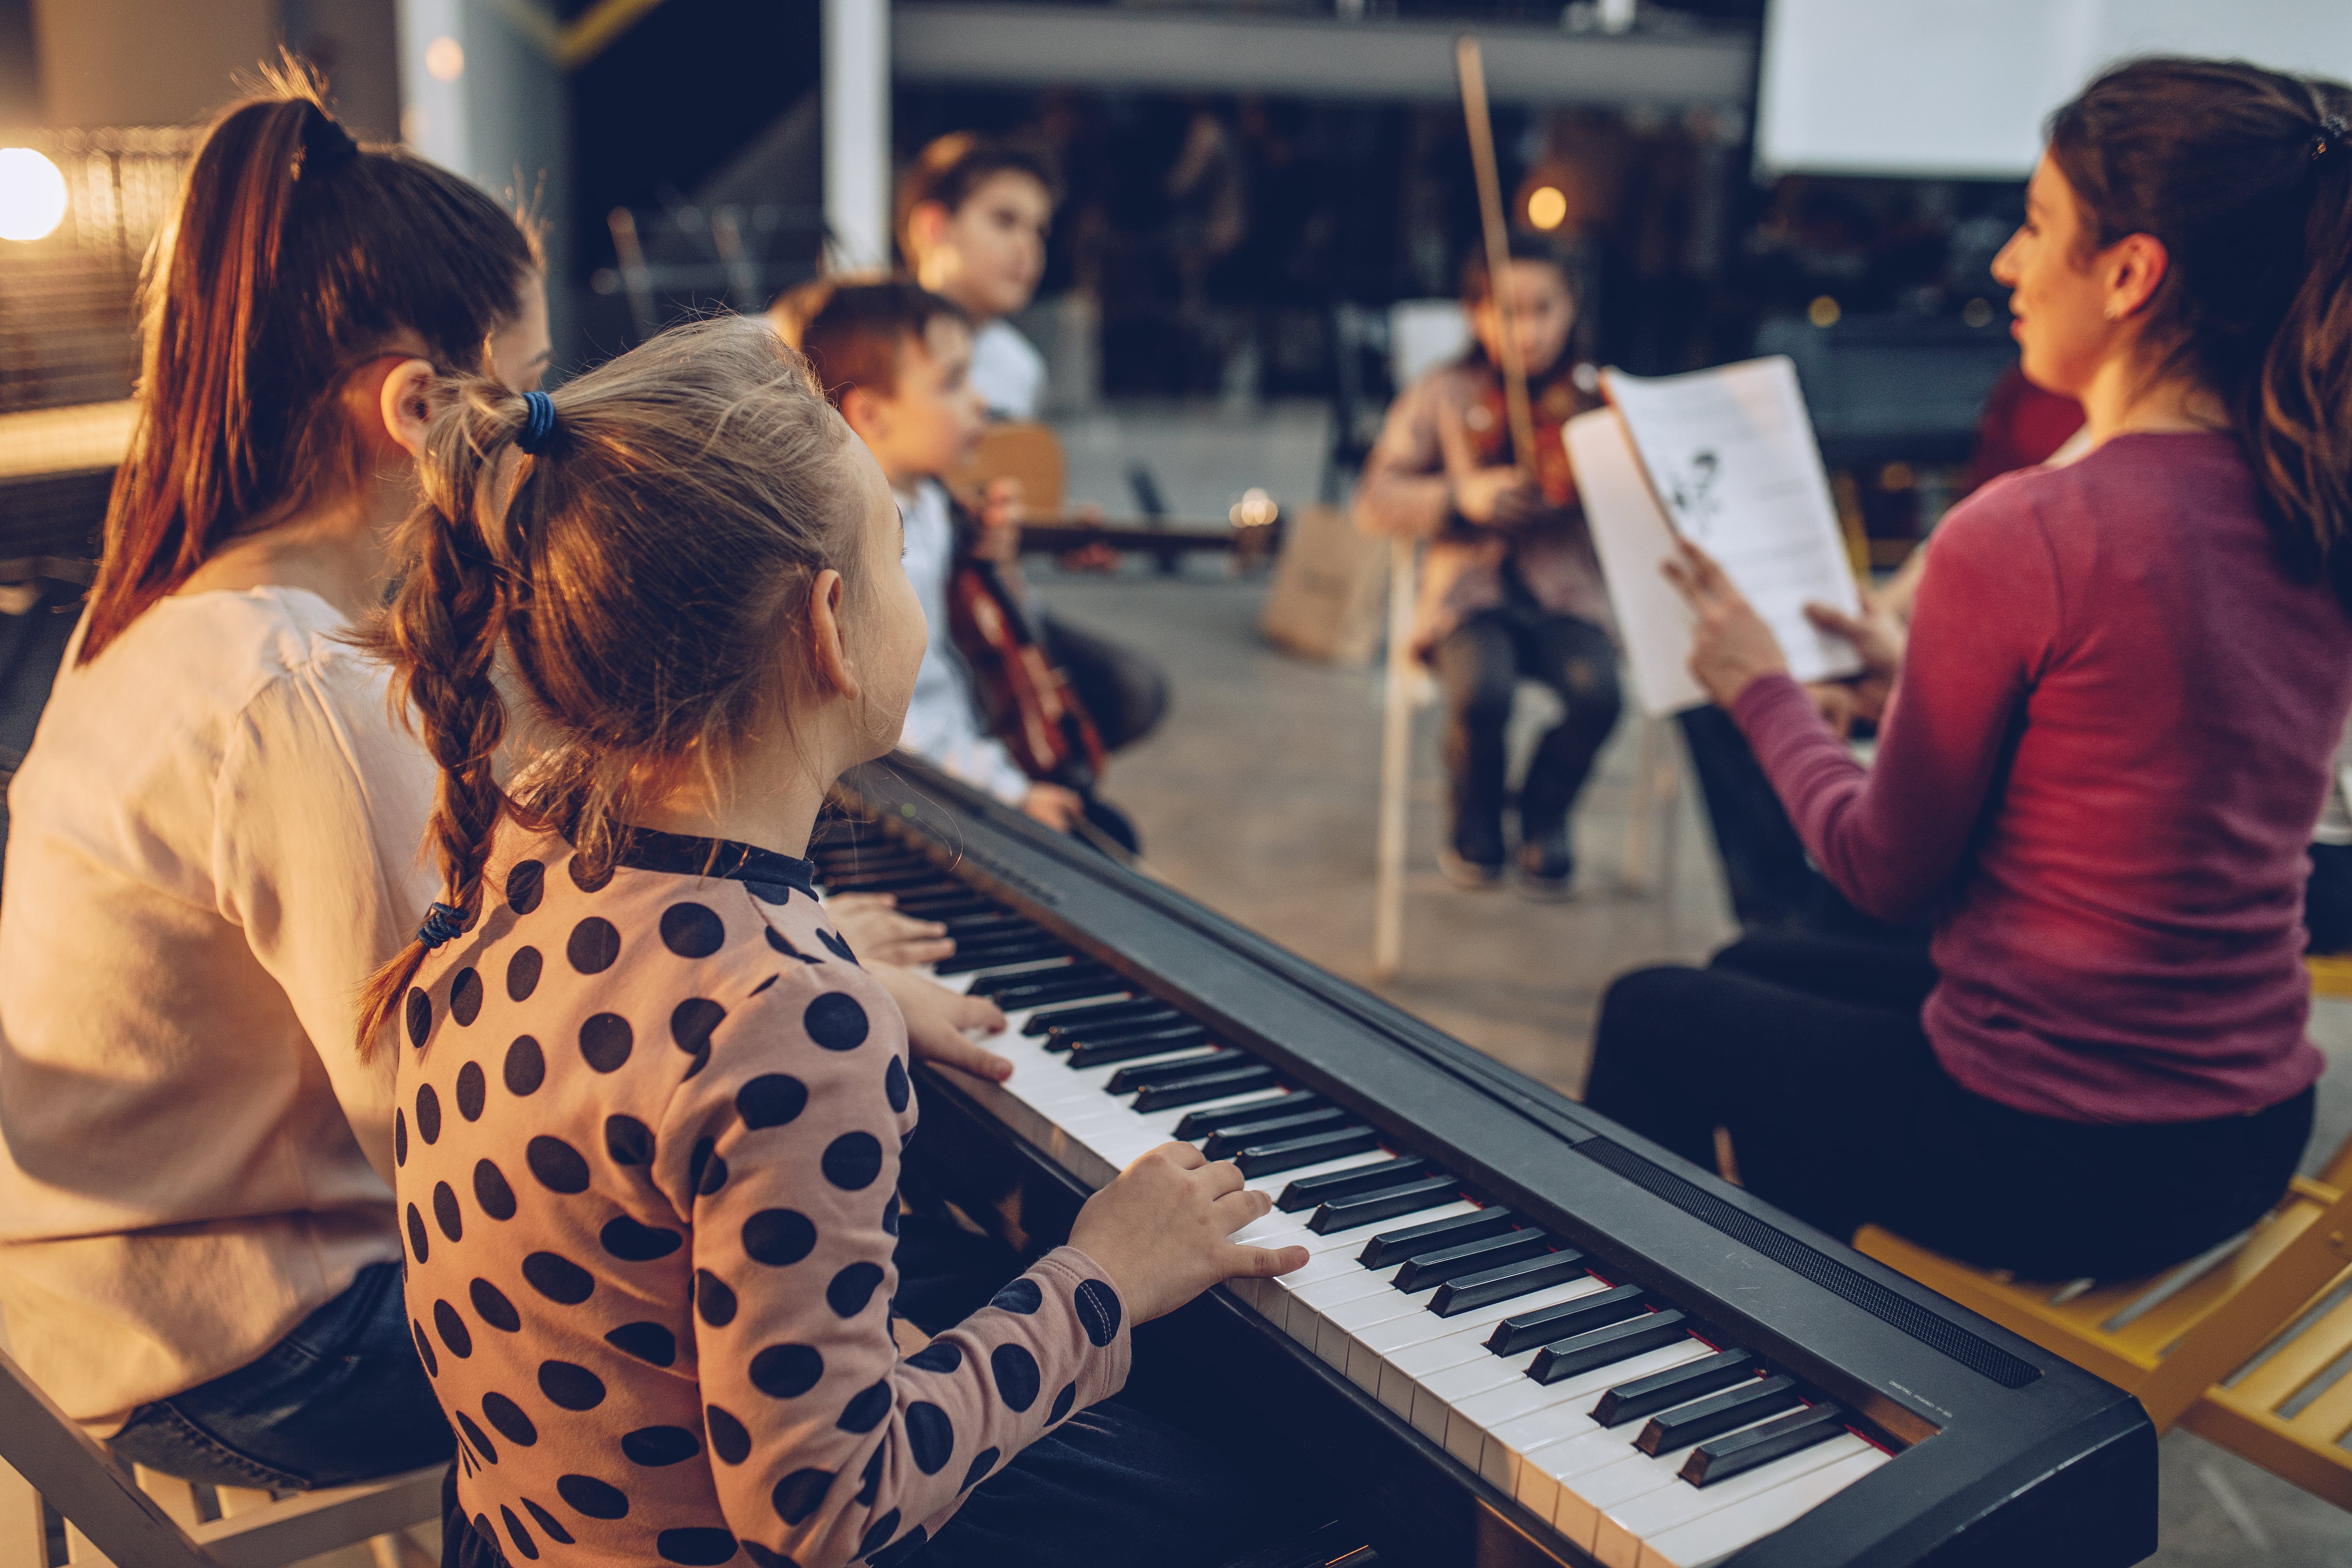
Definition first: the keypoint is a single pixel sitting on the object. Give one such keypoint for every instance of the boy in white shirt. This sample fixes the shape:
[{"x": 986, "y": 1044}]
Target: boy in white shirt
[{"x": 972, "y": 219}]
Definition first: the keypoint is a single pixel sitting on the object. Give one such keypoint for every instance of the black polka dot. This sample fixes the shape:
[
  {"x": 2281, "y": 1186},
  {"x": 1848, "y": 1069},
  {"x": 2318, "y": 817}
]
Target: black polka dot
[
  {"x": 786, "y": 1372},
  {"x": 900, "y": 1550},
  {"x": 558, "y": 1165},
  {"x": 765, "y": 1557},
  {"x": 490, "y": 1305},
  {"x": 895, "y": 1088},
  {"x": 1020, "y": 1295},
  {"x": 836, "y": 1021},
  {"x": 594, "y": 944},
  {"x": 526, "y": 882},
  {"x": 851, "y": 1160},
  {"x": 779, "y": 1238},
  {"x": 424, "y": 1349},
  {"x": 399, "y": 1136},
  {"x": 869, "y": 1480},
  {"x": 525, "y": 1068},
  {"x": 771, "y": 1100},
  {"x": 589, "y": 1496},
  {"x": 631, "y": 1242},
  {"x": 931, "y": 1437},
  {"x": 728, "y": 1441},
  {"x": 517, "y": 1534},
  {"x": 490, "y": 1191},
  {"x": 604, "y": 1041},
  {"x": 420, "y": 1016},
  {"x": 692, "y": 931},
  {"x": 482, "y": 1529},
  {"x": 475, "y": 1438},
  {"x": 852, "y": 1288},
  {"x": 705, "y": 1171},
  {"x": 692, "y": 1021},
  {"x": 1099, "y": 1311},
  {"x": 508, "y": 1416},
  {"x": 878, "y": 1533},
  {"x": 417, "y": 1243},
  {"x": 647, "y": 1341},
  {"x": 455, "y": 1335},
  {"x": 699, "y": 1545},
  {"x": 1062, "y": 1403},
  {"x": 572, "y": 1387},
  {"x": 522, "y": 972},
  {"x": 445, "y": 1212},
  {"x": 981, "y": 1463},
  {"x": 777, "y": 940},
  {"x": 654, "y": 1446},
  {"x": 939, "y": 1356},
  {"x": 798, "y": 1495},
  {"x": 428, "y": 1114},
  {"x": 559, "y": 1280},
  {"x": 548, "y": 1522},
  {"x": 628, "y": 1140},
  {"x": 587, "y": 878},
  {"x": 1017, "y": 1377},
  {"x": 714, "y": 1303},
  {"x": 472, "y": 1091},
  {"x": 466, "y": 996},
  {"x": 837, "y": 945}
]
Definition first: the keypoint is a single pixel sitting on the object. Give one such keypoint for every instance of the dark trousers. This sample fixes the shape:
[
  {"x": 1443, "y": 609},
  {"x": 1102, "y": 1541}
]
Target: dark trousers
[
  {"x": 1811, "y": 1052},
  {"x": 1123, "y": 692},
  {"x": 1479, "y": 664},
  {"x": 341, "y": 1399},
  {"x": 2327, "y": 898}
]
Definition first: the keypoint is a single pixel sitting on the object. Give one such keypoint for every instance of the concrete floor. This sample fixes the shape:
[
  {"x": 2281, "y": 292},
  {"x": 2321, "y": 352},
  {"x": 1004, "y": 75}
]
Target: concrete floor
[{"x": 1258, "y": 797}]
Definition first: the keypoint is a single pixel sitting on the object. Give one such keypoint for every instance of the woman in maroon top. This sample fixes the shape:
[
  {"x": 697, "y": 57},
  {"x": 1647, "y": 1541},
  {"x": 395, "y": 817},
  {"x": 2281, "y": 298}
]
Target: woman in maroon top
[{"x": 2101, "y": 766}]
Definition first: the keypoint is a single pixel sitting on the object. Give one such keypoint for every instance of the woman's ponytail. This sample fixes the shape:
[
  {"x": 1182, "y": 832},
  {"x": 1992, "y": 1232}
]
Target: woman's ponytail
[{"x": 2299, "y": 423}]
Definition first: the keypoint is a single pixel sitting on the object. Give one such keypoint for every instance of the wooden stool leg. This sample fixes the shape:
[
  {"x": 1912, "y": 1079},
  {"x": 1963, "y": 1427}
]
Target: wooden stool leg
[{"x": 1396, "y": 769}]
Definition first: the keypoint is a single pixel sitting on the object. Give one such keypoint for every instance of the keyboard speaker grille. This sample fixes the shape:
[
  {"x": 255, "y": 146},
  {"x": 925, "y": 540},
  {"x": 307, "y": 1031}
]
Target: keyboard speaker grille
[{"x": 1979, "y": 1355}]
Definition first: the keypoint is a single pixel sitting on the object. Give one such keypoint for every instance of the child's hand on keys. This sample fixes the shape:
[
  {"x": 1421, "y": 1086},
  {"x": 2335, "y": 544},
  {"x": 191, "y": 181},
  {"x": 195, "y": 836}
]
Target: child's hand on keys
[
  {"x": 937, "y": 1019},
  {"x": 1160, "y": 1230},
  {"x": 873, "y": 927}
]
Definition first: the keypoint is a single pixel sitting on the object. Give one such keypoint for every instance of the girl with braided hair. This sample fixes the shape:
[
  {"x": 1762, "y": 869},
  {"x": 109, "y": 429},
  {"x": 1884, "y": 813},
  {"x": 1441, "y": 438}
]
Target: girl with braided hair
[{"x": 212, "y": 841}]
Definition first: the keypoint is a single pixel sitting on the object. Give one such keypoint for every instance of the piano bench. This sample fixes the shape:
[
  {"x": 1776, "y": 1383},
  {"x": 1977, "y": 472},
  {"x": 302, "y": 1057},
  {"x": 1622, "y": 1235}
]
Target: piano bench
[
  {"x": 2331, "y": 973},
  {"x": 2218, "y": 1345}
]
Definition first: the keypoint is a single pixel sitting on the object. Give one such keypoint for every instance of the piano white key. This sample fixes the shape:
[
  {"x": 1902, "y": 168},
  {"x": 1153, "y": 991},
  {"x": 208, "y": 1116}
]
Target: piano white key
[
  {"x": 1540, "y": 1414},
  {"x": 1624, "y": 1529},
  {"x": 1322, "y": 1294},
  {"x": 1585, "y": 1497},
  {"x": 1526, "y": 1444},
  {"x": 1711, "y": 1538},
  {"x": 1431, "y": 1342},
  {"x": 1273, "y": 1182}
]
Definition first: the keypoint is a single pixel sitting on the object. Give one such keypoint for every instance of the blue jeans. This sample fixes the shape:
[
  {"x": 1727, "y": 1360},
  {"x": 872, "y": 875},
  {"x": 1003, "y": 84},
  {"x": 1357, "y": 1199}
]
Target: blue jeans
[{"x": 341, "y": 1399}]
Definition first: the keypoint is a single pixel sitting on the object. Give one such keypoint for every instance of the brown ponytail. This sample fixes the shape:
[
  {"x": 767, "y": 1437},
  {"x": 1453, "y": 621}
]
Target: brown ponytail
[
  {"x": 631, "y": 583},
  {"x": 295, "y": 257},
  {"x": 2246, "y": 175}
]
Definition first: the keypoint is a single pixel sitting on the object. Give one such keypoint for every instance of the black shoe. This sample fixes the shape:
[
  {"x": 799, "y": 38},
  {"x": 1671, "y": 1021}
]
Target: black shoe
[
  {"x": 1547, "y": 867},
  {"x": 1474, "y": 860}
]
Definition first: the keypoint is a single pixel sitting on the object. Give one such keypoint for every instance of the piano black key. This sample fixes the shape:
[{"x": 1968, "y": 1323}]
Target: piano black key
[
  {"x": 981, "y": 923},
  {"x": 1013, "y": 985},
  {"x": 1308, "y": 1191},
  {"x": 1153, "y": 1045},
  {"x": 1289, "y": 1153},
  {"x": 1127, "y": 1079},
  {"x": 1249, "y": 1113},
  {"x": 1118, "y": 1032},
  {"x": 1208, "y": 1086},
  {"x": 1552, "y": 1324},
  {"x": 888, "y": 882},
  {"x": 942, "y": 905},
  {"x": 967, "y": 963},
  {"x": 1438, "y": 1264},
  {"x": 1066, "y": 1018},
  {"x": 1382, "y": 1202},
  {"x": 1715, "y": 1415},
  {"x": 1322, "y": 1119},
  {"x": 1737, "y": 1452},
  {"x": 1396, "y": 1245},
  {"x": 1037, "y": 994},
  {"x": 1664, "y": 1390},
  {"x": 1602, "y": 1346},
  {"x": 1472, "y": 1292}
]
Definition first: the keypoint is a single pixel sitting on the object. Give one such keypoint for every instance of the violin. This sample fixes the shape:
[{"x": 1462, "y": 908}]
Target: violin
[
  {"x": 1025, "y": 701},
  {"x": 1552, "y": 402}
]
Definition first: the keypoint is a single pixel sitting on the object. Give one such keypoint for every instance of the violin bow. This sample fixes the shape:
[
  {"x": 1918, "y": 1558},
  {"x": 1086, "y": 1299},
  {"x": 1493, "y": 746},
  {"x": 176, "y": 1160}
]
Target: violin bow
[{"x": 1470, "y": 64}]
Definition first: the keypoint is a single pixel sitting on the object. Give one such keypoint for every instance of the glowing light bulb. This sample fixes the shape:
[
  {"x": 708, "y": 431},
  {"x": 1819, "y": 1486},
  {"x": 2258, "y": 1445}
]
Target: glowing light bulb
[
  {"x": 444, "y": 58},
  {"x": 1824, "y": 311},
  {"x": 32, "y": 194},
  {"x": 1255, "y": 510},
  {"x": 1547, "y": 207}
]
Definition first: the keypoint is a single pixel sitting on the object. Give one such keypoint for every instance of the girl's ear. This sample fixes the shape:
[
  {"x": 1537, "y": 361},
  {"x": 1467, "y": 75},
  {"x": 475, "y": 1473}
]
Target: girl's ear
[
  {"x": 828, "y": 644},
  {"x": 405, "y": 405}
]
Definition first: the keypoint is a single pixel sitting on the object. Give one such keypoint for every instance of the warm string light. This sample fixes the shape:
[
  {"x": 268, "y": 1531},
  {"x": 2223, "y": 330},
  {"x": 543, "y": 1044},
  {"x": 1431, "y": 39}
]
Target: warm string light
[
  {"x": 32, "y": 194},
  {"x": 1547, "y": 207}
]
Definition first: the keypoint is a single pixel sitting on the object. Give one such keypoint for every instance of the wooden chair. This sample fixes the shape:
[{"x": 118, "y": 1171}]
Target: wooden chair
[
  {"x": 114, "y": 1520},
  {"x": 2228, "y": 1346}
]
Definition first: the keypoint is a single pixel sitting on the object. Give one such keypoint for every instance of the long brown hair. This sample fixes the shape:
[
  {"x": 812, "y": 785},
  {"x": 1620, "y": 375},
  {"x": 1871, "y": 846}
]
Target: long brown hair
[
  {"x": 296, "y": 256},
  {"x": 636, "y": 575},
  {"x": 2246, "y": 175}
]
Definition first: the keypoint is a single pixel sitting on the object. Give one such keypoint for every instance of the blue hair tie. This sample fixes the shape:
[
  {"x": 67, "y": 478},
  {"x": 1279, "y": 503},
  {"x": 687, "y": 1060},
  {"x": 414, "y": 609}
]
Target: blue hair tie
[
  {"x": 442, "y": 922},
  {"x": 537, "y": 421}
]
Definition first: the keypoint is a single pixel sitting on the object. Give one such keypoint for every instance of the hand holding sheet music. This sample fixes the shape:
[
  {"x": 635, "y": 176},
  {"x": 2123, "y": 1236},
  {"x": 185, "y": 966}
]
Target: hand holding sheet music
[{"x": 1724, "y": 458}]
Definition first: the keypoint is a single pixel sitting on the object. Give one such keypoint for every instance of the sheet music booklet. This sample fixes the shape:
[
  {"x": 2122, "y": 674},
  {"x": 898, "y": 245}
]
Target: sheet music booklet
[{"x": 1726, "y": 458}]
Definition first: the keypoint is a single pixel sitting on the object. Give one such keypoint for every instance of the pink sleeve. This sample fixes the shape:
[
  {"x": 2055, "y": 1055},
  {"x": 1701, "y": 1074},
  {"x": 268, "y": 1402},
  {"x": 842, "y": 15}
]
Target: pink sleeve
[
  {"x": 826, "y": 1446},
  {"x": 1403, "y": 490},
  {"x": 1891, "y": 836}
]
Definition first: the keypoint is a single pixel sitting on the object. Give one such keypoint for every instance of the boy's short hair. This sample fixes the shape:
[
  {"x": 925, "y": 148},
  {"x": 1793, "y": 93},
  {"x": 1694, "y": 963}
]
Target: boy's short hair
[
  {"x": 853, "y": 332},
  {"x": 951, "y": 168}
]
